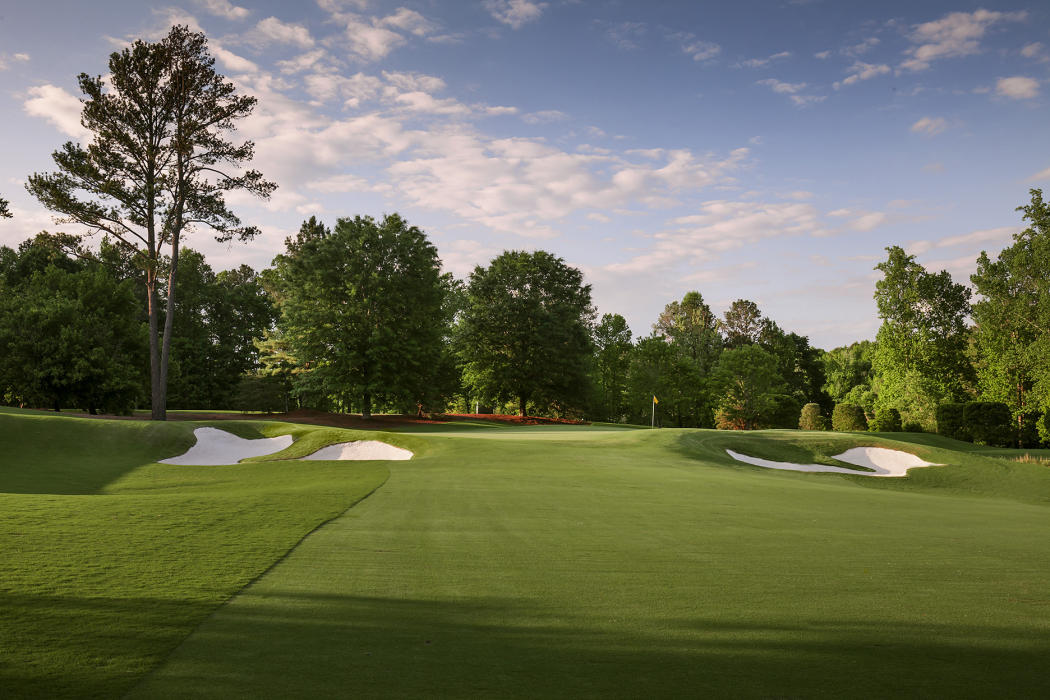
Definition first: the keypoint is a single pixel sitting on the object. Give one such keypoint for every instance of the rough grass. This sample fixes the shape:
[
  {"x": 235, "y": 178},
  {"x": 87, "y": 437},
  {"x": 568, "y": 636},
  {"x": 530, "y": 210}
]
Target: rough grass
[{"x": 109, "y": 560}]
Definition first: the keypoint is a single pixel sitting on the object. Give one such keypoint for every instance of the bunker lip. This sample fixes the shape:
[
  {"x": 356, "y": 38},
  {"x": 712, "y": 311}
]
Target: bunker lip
[
  {"x": 215, "y": 447},
  {"x": 360, "y": 450},
  {"x": 882, "y": 461}
]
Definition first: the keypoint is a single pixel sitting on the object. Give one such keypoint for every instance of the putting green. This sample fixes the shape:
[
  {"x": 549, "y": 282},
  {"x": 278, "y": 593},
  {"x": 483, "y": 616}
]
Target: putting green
[{"x": 596, "y": 564}]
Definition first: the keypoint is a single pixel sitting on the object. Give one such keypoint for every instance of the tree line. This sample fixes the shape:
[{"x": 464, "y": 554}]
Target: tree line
[{"x": 361, "y": 317}]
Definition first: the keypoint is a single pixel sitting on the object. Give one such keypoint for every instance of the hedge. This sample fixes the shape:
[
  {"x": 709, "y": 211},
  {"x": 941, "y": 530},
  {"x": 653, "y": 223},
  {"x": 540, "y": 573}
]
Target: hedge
[
  {"x": 886, "y": 420},
  {"x": 810, "y": 418},
  {"x": 951, "y": 421},
  {"x": 989, "y": 423},
  {"x": 848, "y": 418}
]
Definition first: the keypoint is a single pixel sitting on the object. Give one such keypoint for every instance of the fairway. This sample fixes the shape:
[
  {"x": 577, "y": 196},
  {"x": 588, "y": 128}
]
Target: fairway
[{"x": 570, "y": 562}]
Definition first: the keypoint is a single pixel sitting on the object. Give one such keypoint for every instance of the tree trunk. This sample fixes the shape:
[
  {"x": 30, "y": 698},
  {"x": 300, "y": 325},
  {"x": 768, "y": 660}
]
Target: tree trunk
[
  {"x": 157, "y": 397},
  {"x": 366, "y": 404},
  {"x": 521, "y": 405},
  {"x": 169, "y": 324}
]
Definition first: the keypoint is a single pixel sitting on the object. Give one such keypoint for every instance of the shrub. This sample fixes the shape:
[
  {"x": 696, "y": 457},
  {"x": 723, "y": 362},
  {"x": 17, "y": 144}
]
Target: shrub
[
  {"x": 846, "y": 418},
  {"x": 726, "y": 421},
  {"x": 887, "y": 420},
  {"x": 913, "y": 427},
  {"x": 262, "y": 393},
  {"x": 810, "y": 418},
  {"x": 989, "y": 423},
  {"x": 951, "y": 421}
]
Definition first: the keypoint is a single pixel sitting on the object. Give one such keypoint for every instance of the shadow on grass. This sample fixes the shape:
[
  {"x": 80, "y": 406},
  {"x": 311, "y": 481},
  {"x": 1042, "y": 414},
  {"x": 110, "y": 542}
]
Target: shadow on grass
[
  {"x": 94, "y": 648},
  {"x": 298, "y": 645},
  {"x": 65, "y": 455}
]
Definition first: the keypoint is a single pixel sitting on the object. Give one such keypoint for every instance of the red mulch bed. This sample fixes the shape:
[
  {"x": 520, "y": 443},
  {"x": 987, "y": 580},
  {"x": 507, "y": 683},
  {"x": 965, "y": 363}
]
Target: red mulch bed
[{"x": 345, "y": 420}]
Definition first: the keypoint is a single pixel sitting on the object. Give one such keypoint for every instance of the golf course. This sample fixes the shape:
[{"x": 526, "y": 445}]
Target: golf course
[{"x": 515, "y": 561}]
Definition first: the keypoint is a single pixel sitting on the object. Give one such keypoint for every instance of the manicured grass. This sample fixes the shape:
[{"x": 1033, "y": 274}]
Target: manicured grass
[
  {"x": 580, "y": 563},
  {"x": 516, "y": 561},
  {"x": 110, "y": 560}
]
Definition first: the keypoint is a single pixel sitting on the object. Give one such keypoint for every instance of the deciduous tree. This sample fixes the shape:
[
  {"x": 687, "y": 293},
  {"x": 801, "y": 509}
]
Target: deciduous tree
[
  {"x": 363, "y": 308},
  {"x": 525, "y": 333}
]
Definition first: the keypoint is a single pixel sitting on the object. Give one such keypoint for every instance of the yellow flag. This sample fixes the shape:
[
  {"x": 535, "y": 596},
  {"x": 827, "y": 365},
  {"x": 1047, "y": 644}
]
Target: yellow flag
[{"x": 655, "y": 400}]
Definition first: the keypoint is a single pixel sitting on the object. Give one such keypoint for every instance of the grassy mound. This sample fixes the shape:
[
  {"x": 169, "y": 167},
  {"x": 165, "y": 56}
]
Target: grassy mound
[{"x": 110, "y": 560}]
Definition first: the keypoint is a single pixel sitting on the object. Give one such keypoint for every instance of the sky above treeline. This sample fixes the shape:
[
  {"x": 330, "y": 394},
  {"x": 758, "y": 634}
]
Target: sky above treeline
[{"x": 759, "y": 150}]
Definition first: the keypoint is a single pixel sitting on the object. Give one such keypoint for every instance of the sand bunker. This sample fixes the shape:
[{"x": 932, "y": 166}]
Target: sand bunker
[
  {"x": 216, "y": 446},
  {"x": 361, "y": 449},
  {"x": 882, "y": 462}
]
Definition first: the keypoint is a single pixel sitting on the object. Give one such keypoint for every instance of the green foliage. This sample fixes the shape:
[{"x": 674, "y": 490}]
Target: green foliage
[
  {"x": 920, "y": 357},
  {"x": 746, "y": 383},
  {"x": 1044, "y": 428},
  {"x": 989, "y": 423},
  {"x": 811, "y": 417},
  {"x": 219, "y": 317},
  {"x": 691, "y": 330},
  {"x": 741, "y": 324},
  {"x": 848, "y": 418},
  {"x": 914, "y": 427},
  {"x": 612, "y": 359},
  {"x": 1028, "y": 430},
  {"x": 158, "y": 164},
  {"x": 5, "y": 212},
  {"x": 784, "y": 412},
  {"x": 266, "y": 393},
  {"x": 886, "y": 420},
  {"x": 1012, "y": 316},
  {"x": 69, "y": 333},
  {"x": 525, "y": 332},
  {"x": 849, "y": 374},
  {"x": 364, "y": 313},
  {"x": 951, "y": 421}
]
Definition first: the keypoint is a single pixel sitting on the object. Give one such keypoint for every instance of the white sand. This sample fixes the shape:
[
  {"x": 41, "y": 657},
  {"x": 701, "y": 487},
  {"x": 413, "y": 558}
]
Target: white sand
[
  {"x": 361, "y": 449},
  {"x": 216, "y": 446},
  {"x": 883, "y": 462}
]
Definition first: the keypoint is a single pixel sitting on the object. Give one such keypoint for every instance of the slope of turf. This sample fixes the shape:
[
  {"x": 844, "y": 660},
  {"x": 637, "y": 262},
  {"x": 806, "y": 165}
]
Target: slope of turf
[
  {"x": 110, "y": 560},
  {"x": 576, "y": 563}
]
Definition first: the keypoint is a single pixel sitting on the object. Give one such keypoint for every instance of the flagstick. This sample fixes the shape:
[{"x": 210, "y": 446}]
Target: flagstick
[{"x": 652, "y": 423}]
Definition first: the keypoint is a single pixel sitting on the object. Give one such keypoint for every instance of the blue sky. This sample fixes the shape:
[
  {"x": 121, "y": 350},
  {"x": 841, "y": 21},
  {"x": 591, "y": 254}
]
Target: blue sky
[{"x": 760, "y": 150}]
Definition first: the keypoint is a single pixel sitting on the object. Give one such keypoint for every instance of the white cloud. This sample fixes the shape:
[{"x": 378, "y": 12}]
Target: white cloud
[
  {"x": 860, "y": 220},
  {"x": 231, "y": 61},
  {"x": 1017, "y": 87},
  {"x": 862, "y": 71},
  {"x": 760, "y": 62},
  {"x": 414, "y": 81},
  {"x": 273, "y": 31},
  {"x": 954, "y": 35},
  {"x": 1033, "y": 50},
  {"x": 57, "y": 106},
  {"x": 822, "y": 55},
  {"x": 302, "y": 62},
  {"x": 1003, "y": 233},
  {"x": 418, "y": 101},
  {"x": 781, "y": 87},
  {"x": 545, "y": 116},
  {"x": 626, "y": 35},
  {"x": 701, "y": 50},
  {"x": 21, "y": 57},
  {"x": 1041, "y": 175},
  {"x": 720, "y": 226},
  {"x": 515, "y": 13},
  {"x": 861, "y": 48},
  {"x": 373, "y": 38},
  {"x": 929, "y": 126},
  {"x": 224, "y": 8},
  {"x": 409, "y": 21},
  {"x": 461, "y": 256},
  {"x": 804, "y": 100}
]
